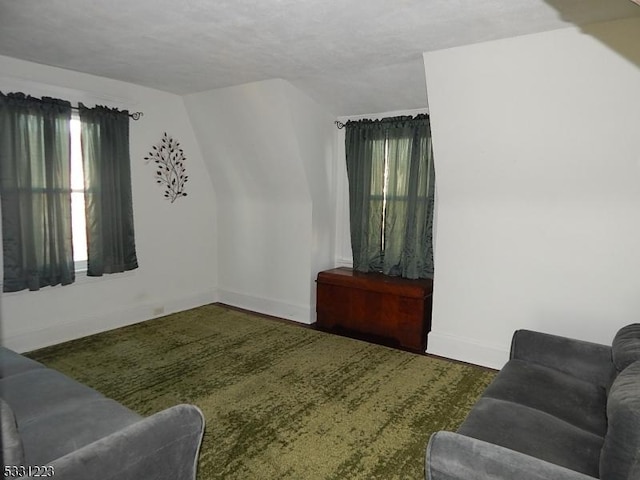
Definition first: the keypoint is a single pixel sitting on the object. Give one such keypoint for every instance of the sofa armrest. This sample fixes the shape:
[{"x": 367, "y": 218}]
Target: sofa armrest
[
  {"x": 451, "y": 456},
  {"x": 164, "y": 446},
  {"x": 585, "y": 360}
]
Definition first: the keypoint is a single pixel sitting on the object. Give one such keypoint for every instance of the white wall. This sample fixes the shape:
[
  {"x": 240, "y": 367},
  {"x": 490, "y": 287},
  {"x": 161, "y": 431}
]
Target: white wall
[
  {"x": 537, "y": 151},
  {"x": 176, "y": 243},
  {"x": 268, "y": 148},
  {"x": 314, "y": 129}
]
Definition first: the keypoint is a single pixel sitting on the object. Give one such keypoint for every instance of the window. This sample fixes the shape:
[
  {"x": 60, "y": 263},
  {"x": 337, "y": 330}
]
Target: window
[
  {"x": 56, "y": 170},
  {"x": 78, "y": 220},
  {"x": 391, "y": 195}
]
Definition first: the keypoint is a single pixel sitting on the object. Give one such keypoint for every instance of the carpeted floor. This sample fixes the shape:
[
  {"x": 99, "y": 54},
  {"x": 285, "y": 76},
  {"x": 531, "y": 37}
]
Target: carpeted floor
[{"x": 280, "y": 401}]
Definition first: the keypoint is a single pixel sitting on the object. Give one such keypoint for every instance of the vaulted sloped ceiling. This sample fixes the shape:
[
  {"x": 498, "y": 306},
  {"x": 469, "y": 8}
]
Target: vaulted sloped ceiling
[{"x": 351, "y": 56}]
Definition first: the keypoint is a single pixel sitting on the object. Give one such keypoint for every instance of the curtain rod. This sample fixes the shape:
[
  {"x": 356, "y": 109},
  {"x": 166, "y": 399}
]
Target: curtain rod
[
  {"x": 397, "y": 118},
  {"x": 134, "y": 115}
]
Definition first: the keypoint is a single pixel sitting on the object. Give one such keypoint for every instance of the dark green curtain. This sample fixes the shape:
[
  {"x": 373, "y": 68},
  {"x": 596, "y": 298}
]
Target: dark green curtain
[
  {"x": 365, "y": 152},
  {"x": 108, "y": 199},
  {"x": 36, "y": 192},
  {"x": 391, "y": 195}
]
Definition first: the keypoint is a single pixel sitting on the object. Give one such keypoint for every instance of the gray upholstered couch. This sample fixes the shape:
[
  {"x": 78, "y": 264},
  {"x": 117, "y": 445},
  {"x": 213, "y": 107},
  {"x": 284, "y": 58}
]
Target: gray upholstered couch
[
  {"x": 54, "y": 426},
  {"x": 560, "y": 409}
]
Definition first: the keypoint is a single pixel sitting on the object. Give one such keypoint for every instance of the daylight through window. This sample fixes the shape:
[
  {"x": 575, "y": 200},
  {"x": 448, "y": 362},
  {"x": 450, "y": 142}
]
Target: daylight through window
[{"x": 78, "y": 221}]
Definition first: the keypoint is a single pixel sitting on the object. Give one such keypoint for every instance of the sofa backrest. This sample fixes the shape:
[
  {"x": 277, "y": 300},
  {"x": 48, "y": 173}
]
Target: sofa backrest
[{"x": 620, "y": 455}]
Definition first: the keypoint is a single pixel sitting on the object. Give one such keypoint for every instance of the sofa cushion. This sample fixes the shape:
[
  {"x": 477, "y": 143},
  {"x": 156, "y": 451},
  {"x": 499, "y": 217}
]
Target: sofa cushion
[
  {"x": 588, "y": 361},
  {"x": 11, "y": 448},
  {"x": 564, "y": 396},
  {"x": 534, "y": 432},
  {"x": 620, "y": 457},
  {"x": 56, "y": 415},
  {"x": 12, "y": 363},
  {"x": 33, "y": 393},
  {"x": 625, "y": 348},
  {"x": 72, "y": 425}
]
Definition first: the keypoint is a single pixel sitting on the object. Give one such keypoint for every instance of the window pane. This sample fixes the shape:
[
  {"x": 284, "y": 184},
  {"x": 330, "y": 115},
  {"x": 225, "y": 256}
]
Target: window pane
[
  {"x": 77, "y": 179},
  {"x": 78, "y": 224}
]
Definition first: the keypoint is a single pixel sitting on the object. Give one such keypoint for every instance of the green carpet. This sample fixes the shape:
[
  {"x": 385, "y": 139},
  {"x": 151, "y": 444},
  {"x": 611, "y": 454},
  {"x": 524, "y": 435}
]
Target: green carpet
[{"x": 280, "y": 401}]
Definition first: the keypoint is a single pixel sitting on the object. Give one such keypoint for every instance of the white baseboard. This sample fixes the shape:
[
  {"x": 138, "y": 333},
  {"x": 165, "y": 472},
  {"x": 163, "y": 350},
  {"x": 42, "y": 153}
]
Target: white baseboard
[
  {"x": 103, "y": 321},
  {"x": 298, "y": 313},
  {"x": 466, "y": 350}
]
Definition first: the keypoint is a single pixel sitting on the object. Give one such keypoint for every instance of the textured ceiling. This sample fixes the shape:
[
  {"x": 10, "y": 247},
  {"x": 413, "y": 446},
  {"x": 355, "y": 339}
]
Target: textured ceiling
[{"x": 353, "y": 56}]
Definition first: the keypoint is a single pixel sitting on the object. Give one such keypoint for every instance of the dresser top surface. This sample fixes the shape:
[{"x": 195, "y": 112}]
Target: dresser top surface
[{"x": 349, "y": 277}]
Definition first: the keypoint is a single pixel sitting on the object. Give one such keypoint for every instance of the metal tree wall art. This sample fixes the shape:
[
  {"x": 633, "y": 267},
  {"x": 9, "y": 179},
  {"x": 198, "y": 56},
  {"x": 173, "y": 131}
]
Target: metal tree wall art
[{"x": 169, "y": 160}]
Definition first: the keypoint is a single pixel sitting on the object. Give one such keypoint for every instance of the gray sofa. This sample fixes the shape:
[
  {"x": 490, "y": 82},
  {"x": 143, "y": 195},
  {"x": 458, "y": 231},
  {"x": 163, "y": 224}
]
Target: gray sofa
[
  {"x": 53, "y": 426},
  {"x": 560, "y": 409}
]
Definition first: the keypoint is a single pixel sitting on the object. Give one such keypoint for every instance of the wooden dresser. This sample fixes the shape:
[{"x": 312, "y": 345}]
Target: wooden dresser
[{"x": 392, "y": 309}]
